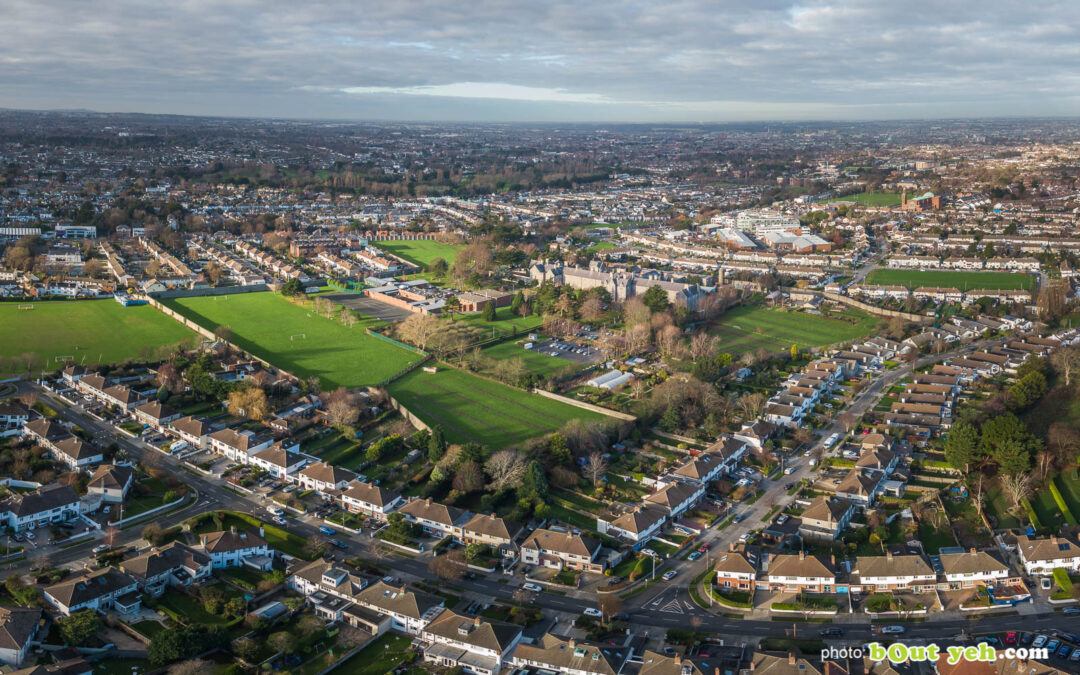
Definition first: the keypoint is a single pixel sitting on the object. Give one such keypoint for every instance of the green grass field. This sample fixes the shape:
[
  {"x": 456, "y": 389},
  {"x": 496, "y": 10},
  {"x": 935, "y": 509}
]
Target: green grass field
[
  {"x": 89, "y": 331},
  {"x": 949, "y": 279},
  {"x": 421, "y": 251},
  {"x": 872, "y": 199},
  {"x": 749, "y": 328},
  {"x": 471, "y": 408},
  {"x": 265, "y": 323}
]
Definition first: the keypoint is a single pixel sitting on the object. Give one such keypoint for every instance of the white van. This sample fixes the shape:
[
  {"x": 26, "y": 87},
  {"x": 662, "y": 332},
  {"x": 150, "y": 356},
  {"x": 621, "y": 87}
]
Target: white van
[{"x": 178, "y": 446}]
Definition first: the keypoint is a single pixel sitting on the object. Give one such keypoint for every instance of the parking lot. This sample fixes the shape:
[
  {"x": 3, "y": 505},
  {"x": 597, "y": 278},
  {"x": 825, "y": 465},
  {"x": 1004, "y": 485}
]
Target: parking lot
[{"x": 577, "y": 351}]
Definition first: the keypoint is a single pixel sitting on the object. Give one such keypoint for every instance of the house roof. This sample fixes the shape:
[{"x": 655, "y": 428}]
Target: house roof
[
  {"x": 971, "y": 562},
  {"x": 160, "y": 560},
  {"x": 892, "y": 566},
  {"x": 800, "y": 566},
  {"x": 735, "y": 563},
  {"x": 640, "y": 519},
  {"x": 193, "y": 426},
  {"x": 491, "y": 526},
  {"x": 231, "y": 540},
  {"x": 493, "y": 635},
  {"x": 45, "y": 498},
  {"x": 111, "y": 477},
  {"x": 76, "y": 449},
  {"x": 89, "y": 586},
  {"x": 572, "y": 656},
  {"x": 47, "y": 429},
  {"x": 398, "y": 600},
  {"x": 232, "y": 438},
  {"x": 325, "y": 472},
  {"x": 566, "y": 543},
  {"x": 1049, "y": 548},
  {"x": 426, "y": 509},
  {"x": 857, "y": 483},
  {"x": 155, "y": 410},
  {"x": 370, "y": 493},
  {"x": 17, "y": 626},
  {"x": 771, "y": 664},
  {"x": 825, "y": 509},
  {"x": 673, "y": 495},
  {"x": 658, "y": 664},
  {"x": 279, "y": 456}
]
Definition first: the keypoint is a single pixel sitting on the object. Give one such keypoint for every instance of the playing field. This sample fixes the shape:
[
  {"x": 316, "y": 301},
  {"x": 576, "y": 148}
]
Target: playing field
[
  {"x": 505, "y": 321},
  {"x": 88, "y": 331},
  {"x": 753, "y": 327},
  {"x": 535, "y": 361},
  {"x": 471, "y": 408},
  {"x": 421, "y": 251},
  {"x": 298, "y": 340},
  {"x": 872, "y": 199},
  {"x": 947, "y": 279}
]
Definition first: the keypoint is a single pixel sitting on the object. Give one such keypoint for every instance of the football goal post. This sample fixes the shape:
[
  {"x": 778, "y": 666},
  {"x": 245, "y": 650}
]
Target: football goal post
[
  {"x": 302, "y": 336},
  {"x": 26, "y": 306}
]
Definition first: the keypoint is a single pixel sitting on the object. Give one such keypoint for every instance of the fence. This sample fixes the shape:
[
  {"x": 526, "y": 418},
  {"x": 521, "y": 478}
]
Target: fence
[
  {"x": 585, "y": 406},
  {"x": 415, "y": 350}
]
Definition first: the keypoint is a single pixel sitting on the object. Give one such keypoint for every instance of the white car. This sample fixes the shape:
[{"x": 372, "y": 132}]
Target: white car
[
  {"x": 1039, "y": 641},
  {"x": 532, "y": 587},
  {"x": 592, "y": 611},
  {"x": 101, "y": 548},
  {"x": 280, "y": 521},
  {"x": 892, "y": 629},
  {"x": 744, "y": 537},
  {"x": 670, "y": 574},
  {"x": 30, "y": 535}
]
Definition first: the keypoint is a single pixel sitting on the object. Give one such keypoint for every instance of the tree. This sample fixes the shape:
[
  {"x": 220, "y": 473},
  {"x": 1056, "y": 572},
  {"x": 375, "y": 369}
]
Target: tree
[
  {"x": 342, "y": 412},
  {"x": 595, "y": 466},
  {"x": 558, "y": 450},
  {"x": 848, "y": 420},
  {"x": 488, "y": 312},
  {"x": 283, "y": 641},
  {"x": 534, "y": 484},
  {"x": 668, "y": 340},
  {"x": 249, "y": 402},
  {"x": 1063, "y": 440},
  {"x": 962, "y": 446},
  {"x": 448, "y": 566},
  {"x": 316, "y": 546},
  {"x": 609, "y": 605},
  {"x": 436, "y": 444},
  {"x": 438, "y": 267},
  {"x": 1012, "y": 457},
  {"x": 469, "y": 477},
  {"x": 1065, "y": 360},
  {"x": 1018, "y": 486},
  {"x": 751, "y": 406},
  {"x": 517, "y": 302},
  {"x": 794, "y": 352},
  {"x": 506, "y": 469},
  {"x": 592, "y": 309},
  {"x": 246, "y": 648},
  {"x": 292, "y": 288},
  {"x": 452, "y": 306},
  {"x": 191, "y": 667},
  {"x": 656, "y": 299},
  {"x": 152, "y": 533},
  {"x": 79, "y": 627}
]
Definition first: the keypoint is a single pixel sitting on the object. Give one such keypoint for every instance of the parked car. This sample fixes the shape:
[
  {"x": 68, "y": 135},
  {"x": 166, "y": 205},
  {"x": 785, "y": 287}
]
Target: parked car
[
  {"x": 1011, "y": 638},
  {"x": 1064, "y": 651},
  {"x": 1052, "y": 646},
  {"x": 1045, "y": 584},
  {"x": 1075, "y": 656},
  {"x": 704, "y": 547},
  {"x": 592, "y": 611},
  {"x": 532, "y": 587},
  {"x": 30, "y": 535},
  {"x": 1039, "y": 641},
  {"x": 1071, "y": 610}
]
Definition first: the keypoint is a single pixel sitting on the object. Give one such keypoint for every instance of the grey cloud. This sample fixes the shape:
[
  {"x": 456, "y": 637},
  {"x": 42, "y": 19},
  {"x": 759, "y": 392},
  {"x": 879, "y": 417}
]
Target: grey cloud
[{"x": 682, "y": 60}]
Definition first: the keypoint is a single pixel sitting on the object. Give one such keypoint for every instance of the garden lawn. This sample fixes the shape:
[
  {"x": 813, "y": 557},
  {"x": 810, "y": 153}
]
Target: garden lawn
[
  {"x": 89, "y": 331},
  {"x": 471, "y": 408},
  {"x": 505, "y": 321},
  {"x": 421, "y": 251},
  {"x": 535, "y": 361},
  {"x": 271, "y": 327},
  {"x": 189, "y": 609},
  {"x": 934, "y": 539},
  {"x": 749, "y": 328},
  {"x": 379, "y": 657},
  {"x": 965, "y": 281}
]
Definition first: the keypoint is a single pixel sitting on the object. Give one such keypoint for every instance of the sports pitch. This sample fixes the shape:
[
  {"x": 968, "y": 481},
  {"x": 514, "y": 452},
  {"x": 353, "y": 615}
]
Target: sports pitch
[
  {"x": 471, "y": 408},
  {"x": 751, "y": 328},
  {"x": 296, "y": 339},
  {"x": 965, "y": 281},
  {"x": 421, "y": 251},
  {"x": 88, "y": 331},
  {"x": 873, "y": 199}
]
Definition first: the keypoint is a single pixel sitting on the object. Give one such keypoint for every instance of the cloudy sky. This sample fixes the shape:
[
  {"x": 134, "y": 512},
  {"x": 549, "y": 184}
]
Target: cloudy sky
[{"x": 544, "y": 60}]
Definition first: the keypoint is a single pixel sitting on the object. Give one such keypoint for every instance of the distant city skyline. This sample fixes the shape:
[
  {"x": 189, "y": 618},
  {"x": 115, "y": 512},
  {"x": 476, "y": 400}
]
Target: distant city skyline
[{"x": 559, "y": 61}]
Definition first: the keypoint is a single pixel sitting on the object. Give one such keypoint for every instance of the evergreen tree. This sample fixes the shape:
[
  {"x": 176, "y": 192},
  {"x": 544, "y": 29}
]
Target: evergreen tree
[{"x": 436, "y": 444}]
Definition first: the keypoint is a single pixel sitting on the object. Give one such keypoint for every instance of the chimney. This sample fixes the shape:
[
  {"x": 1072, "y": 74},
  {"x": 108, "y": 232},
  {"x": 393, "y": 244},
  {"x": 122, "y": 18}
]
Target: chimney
[
  {"x": 752, "y": 664},
  {"x": 731, "y": 546},
  {"x": 262, "y": 533},
  {"x": 476, "y": 621},
  {"x": 888, "y": 555},
  {"x": 678, "y": 660},
  {"x": 573, "y": 643},
  {"x": 972, "y": 550},
  {"x": 802, "y": 554},
  {"x": 232, "y": 529},
  {"x": 791, "y": 658}
]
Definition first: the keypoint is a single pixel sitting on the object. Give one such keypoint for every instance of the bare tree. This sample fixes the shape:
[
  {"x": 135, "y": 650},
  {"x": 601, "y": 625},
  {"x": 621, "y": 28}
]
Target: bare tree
[
  {"x": 751, "y": 405},
  {"x": 342, "y": 412},
  {"x": 638, "y": 337},
  {"x": 29, "y": 399},
  {"x": 448, "y": 566},
  {"x": 592, "y": 309},
  {"x": 1063, "y": 440},
  {"x": 701, "y": 344},
  {"x": 418, "y": 329},
  {"x": 191, "y": 667},
  {"x": 848, "y": 420},
  {"x": 635, "y": 312},
  {"x": 1017, "y": 486},
  {"x": 609, "y": 605},
  {"x": 668, "y": 339},
  {"x": 595, "y": 466},
  {"x": 506, "y": 469},
  {"x": 1065, "y": 360}
]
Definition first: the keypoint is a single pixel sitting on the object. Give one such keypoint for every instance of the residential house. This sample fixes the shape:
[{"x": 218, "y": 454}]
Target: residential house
[
  {"x": 112, "y": 482},
  {"x": 238, "y": 445},
  {"x": 825, "y": 518},
  {"x": 409, "y": 611},
  {"x": 13, "y": 415},
  {"x": 561, "y": 549},
  {"x": 278, "y": 461},
  {"x": 435, "y": 517},
  {"x": 636, "y": 526},
  {"x": 193, "y": 430},
  {"x": 1041, "y": 556},
  {"x": 19, "y": 628},
  {"x": 323, "y": 477},
  {"x": 374, "y": 500},
  {"x": 566, "y": 655},
  {"x": 677, "y": 498},
  {"x": 653, "y": 663},
  {"x": 475, "y": 645},
  {"x": 232, "y": 548},
  {"x": 762, "y": 663},
  {"x": 860, "y": 487},
  {"x": 174, "y": 564},
  {"x": 734, "y": 571},
  {"x": 54, "y": 503},
  {"x": 155, "y": 415},
  {"x": 902, "y": 573},
  {"x": 498, "y": 533},
  {"x": 100, "y": 590},
  {"x": 975, "y": 568},
  {"x": 799, "y": 573},
  {"x": 77, "y": 454}
]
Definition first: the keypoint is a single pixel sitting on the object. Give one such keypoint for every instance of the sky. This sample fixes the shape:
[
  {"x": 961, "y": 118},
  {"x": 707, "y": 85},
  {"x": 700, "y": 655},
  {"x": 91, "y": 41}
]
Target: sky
[{"x": 545, "y": 60}]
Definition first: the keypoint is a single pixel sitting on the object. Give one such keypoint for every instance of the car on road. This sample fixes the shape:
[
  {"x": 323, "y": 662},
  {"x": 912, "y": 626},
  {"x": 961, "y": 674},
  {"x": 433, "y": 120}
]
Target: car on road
[
  {"x": 592, "y": 611},
  {"x": 669, "y": 575},
  {"x": 532, "y": 587},
  {"x": 788, "y": 486},
  {"x": 101, "y": 548},
  {"x": 327, "y": 530},
  {"x": 1044, "y": 583},
  {"x": 275, "y": 510},
  {"x": 340, "y": 544},
  {"x": 695, "y": 555},
  {"x": 887, "y": 630},
  {"x": 739, "y": 518},
  {"x": 704, "y": 547},
  {"x": 831, "y": 631},
  {"x": 280, "y": 521},
  {"x": 1067, "y": 610}
]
